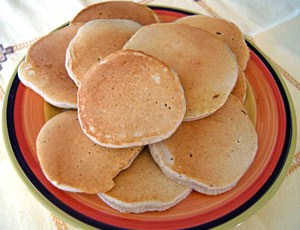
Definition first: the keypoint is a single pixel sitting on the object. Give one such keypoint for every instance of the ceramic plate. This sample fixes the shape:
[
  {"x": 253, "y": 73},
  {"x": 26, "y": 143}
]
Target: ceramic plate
[{"x": 267, "y": 102}]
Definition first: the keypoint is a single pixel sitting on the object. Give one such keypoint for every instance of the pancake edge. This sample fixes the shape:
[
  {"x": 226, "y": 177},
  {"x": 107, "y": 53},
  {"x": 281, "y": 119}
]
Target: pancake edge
[
  {"x": 154, "y": 14},
  {"x": 184, "y": 180},
  {"x": 139, "y": 207},
  {"x": 63, "y": 105}
]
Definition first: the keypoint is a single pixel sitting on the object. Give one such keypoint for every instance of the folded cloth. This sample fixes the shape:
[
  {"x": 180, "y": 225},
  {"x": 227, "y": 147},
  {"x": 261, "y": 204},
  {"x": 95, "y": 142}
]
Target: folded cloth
[
  {"x": 255, "y": 16},
  {"x": 281, "y": 212},
  {"x": 18, "y": 208}
]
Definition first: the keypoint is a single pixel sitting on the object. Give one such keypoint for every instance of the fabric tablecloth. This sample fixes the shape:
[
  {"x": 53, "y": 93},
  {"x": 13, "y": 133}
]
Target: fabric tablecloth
[{"x": 273, "y": 25}]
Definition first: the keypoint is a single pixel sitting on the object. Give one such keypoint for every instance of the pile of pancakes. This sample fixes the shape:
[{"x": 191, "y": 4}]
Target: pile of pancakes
[{"x": 153, "y": 110}]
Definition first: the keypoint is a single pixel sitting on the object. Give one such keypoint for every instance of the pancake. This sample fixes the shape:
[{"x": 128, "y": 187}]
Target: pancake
[
  {"x": 143, "y": 187},
  {"x": 117, "y": 10},
  {"x": 211, "y": 154},
  {"x": 205, "y": 65},
  {"x": 232, "y": 36},
  {"x": 95, "y": 40},
  {"x": 240, "y": 89},
  {"x": 226, "y": 31},
  {"x": 44, "y": 68},
  {"x": 130, "y": 99},
  {"x": 72, "y": 162}
]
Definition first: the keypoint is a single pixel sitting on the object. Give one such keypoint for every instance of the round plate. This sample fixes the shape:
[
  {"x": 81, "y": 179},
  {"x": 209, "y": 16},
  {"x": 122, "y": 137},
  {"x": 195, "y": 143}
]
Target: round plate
[{"x": 268, "y": 103}]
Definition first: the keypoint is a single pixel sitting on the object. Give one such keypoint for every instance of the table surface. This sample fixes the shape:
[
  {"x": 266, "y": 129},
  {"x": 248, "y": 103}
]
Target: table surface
[{"x": 272, "y": 25}]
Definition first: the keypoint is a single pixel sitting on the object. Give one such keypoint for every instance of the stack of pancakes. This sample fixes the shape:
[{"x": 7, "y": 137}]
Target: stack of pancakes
[{"x": 156, "y": 108}]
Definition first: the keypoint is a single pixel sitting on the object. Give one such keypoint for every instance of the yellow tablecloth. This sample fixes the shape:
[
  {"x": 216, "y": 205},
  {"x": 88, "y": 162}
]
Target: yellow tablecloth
[{"x": 274, "y": 26}]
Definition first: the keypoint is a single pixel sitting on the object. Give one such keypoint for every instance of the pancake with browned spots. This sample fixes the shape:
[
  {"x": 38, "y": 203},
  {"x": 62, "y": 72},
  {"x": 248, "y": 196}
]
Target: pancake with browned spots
[
  {"x": 95, "y": 40},
  {"x": 130, "y": 99},
  {"x": 143, "y": 187},
  {"x": 44, "y": 68},
  {"x": 211, "y": 154},
  {"x": 117, "y": 10},
  {"x": 226, "y": 31},
  {"x": 72, "y": 162},
  {"x": 205, "y": 65}
]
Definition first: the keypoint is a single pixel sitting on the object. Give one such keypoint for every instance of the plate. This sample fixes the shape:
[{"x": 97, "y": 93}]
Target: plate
[{"x": 269, "y": 104}]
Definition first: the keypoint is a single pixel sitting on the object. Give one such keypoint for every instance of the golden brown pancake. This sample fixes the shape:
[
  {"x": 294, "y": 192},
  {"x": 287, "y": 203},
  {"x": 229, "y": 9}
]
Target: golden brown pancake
[
  {"x": 117, "y": 10},
  {"x": 210, "y": 154},
  {"x": 226, "y": 31},
  {"x": 143, "y": 187},
  {"x": 240, "y": 88},
  {"x": 44, "y": 68},
  {"x": 72, "y": 162},
  {"x": 130, "y": 99},
  {"x": 95, "y": 40},
  {"x": 205, "y": 65}
]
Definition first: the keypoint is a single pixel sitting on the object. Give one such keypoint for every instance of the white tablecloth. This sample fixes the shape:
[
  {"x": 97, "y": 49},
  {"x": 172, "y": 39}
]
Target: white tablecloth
[{"x": 274, "y": 26}]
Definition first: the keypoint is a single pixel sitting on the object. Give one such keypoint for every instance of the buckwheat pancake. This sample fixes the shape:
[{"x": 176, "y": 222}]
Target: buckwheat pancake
[
  {"x": 143, "y": 187},
  {"x": 211, "y": 154},
  {"x": 44, "y": 68},
  {"x": 130, "y": 99},
  {"x": 117, "y": 10},
  {"x": 240, "y": 89},
  {"x": 205, "y": 65},
  {"x": 226, "y": 31},
  {"x": 72, "y": 162},
  {"x": 95, "y": 40}
]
